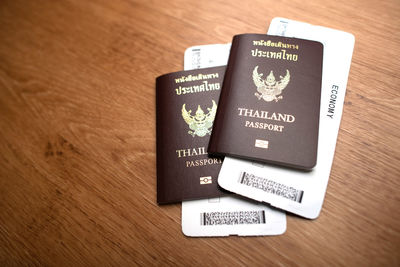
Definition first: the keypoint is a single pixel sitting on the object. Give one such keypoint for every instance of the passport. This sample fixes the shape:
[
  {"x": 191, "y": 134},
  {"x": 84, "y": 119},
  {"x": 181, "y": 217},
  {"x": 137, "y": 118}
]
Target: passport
[
  {"x": 186, "y": 105},
  {"x": 270, "y": 101}
]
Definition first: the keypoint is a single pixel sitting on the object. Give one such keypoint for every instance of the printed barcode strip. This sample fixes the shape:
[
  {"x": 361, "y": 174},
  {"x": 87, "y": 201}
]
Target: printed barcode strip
[
  {"x": 271, "y": 187},
  {"x": 233, "y": 217},
  {"x": 263, "y": 217},
  {"x": 196, "y": 58},
  {"x": 283, "y": 27}
]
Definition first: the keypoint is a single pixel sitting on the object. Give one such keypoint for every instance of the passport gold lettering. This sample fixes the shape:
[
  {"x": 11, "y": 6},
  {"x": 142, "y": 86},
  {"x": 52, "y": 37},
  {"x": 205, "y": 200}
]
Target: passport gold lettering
[
  {"x": 202, "y": 162},
  {"x": 190, "y": 152},
  {"x": 203, "y": 87},
  {"x": 262, "y": 114},
  {"x": 198, "y": 77},
  {"x": 274, "y": 55},
  {"x": 275, "y": 44},
  {"x": 198, "y": 151},
  {"x": 265, "y": 126}
]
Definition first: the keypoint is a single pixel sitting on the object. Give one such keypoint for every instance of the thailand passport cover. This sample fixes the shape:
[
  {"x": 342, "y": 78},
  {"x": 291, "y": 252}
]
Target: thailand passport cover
[
  {"x": 270, "y": 101},
  {"x": 186, "y": 104}
]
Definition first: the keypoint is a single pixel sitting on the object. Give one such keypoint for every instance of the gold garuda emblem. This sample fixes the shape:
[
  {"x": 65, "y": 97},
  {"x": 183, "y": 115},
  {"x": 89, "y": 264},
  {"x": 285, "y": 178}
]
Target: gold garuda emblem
[
  {"x": 200, "y": 123},
  {"x": 269, "y": 89}
]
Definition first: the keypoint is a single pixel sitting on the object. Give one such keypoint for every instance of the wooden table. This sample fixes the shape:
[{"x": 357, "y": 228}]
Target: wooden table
[{"x": 77, "y": 135}]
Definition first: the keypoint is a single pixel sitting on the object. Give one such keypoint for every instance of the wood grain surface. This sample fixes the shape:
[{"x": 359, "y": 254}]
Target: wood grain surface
[{"x": 77, "y": 135}]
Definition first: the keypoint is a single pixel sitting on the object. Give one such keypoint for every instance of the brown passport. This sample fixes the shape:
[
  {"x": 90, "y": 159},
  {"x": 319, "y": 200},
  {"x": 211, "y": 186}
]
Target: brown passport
[
  {"x": 186, "y": 104},
  {"x": 270, "y": 101}
]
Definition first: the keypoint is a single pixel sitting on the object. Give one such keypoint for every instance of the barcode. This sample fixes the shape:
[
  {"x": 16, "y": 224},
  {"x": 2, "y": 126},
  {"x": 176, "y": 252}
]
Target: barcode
[
  {"x": 271, "y": 186},
  {"x": 196, "y": 58},
  {"x": 282, "y": 28},
  {"x": 233, "y": 217}
]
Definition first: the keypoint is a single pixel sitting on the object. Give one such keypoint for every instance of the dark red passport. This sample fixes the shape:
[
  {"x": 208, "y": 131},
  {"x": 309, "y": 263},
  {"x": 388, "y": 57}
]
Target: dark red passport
[
  {"x": 270, "y": 101},
  {"x": 186, "y": 104}
]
